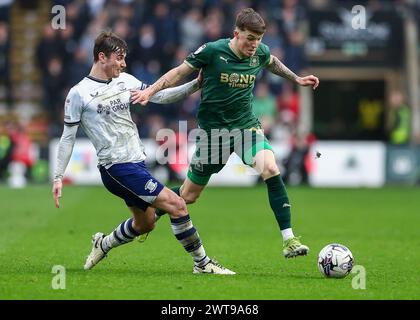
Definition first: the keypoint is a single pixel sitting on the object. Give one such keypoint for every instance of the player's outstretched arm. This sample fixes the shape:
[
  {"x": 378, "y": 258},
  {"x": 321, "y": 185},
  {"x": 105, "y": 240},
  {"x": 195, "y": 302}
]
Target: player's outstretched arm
[
  {"x": 65, "y": 149},
  {"x": 169, "y": 79},
  {"x": 277, "y": 67},
  {"x": 175, "y": 94}
]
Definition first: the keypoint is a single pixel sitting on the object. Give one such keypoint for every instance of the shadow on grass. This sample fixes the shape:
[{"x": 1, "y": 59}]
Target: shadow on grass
[
  {"x": 306, "y": 276},
  {"x": 127, "y": 271}
]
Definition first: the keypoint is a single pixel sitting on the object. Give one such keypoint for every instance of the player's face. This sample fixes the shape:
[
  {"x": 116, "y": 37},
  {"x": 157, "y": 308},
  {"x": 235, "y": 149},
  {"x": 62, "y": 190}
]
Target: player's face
[
  {"x": 248, "y": 42},
  {"x": 115, "y": 64}
]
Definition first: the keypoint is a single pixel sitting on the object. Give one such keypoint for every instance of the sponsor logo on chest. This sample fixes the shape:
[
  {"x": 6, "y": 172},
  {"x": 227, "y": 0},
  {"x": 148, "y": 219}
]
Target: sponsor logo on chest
[
  {"x": 113, "y": 105},
  {"x": 237, "y": 80}
]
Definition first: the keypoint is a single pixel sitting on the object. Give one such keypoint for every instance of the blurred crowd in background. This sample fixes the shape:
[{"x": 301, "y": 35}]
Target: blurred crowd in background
[{"x": 160, "y": 34}]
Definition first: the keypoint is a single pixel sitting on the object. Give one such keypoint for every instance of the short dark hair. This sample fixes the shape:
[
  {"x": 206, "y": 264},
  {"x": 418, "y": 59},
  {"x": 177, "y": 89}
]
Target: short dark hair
[
  {"x": 249, "y": 19},
  {"x": 108, "y": 42}
]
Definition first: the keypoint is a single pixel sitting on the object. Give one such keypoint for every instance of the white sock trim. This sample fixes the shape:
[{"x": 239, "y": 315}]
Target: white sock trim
[{"x": 287, "y": 234}]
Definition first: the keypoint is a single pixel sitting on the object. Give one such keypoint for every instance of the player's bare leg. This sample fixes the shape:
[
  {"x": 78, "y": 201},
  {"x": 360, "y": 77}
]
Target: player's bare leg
[
  {"x": 189, "y": 191},
  {"x": 144, "y": 222}
]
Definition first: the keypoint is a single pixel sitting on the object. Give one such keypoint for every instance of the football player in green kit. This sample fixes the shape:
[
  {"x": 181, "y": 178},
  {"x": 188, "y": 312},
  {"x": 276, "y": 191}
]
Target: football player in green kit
[{"x": 230, "y": 67}]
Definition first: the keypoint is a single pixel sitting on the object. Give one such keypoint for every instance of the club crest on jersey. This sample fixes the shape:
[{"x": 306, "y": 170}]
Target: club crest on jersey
[
  {"x": 150, "y": 185},
  {"x": 254, "y": 61},
  {"x": 121, "y": 86},
  {"x": 198, "y": 166}
]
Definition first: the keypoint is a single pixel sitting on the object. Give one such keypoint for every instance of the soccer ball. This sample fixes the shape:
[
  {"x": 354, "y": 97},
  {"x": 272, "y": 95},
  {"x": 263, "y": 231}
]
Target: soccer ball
[{"x": 335, "y": 261}]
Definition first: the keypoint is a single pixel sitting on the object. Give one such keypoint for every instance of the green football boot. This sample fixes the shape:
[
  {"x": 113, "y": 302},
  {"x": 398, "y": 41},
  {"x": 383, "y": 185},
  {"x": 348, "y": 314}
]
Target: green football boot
[{"x": 293, "y": 248}]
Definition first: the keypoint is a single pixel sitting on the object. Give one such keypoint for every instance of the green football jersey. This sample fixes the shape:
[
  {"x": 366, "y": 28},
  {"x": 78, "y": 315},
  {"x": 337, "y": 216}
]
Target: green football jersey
[{"x": 226, "y": 97}]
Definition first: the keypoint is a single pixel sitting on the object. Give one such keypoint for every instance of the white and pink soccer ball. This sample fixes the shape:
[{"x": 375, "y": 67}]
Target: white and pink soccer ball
[{"x": 335, "y": 261}]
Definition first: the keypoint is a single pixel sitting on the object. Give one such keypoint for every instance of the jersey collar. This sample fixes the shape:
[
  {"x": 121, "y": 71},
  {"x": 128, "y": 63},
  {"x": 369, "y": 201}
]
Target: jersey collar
[{"x": 99, "y": 80}]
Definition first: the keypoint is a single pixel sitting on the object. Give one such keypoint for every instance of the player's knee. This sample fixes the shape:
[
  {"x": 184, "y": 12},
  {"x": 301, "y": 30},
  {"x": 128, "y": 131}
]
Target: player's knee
[
  {"x": 181, "y": 205},
  {"x": 270, "y": 170},
  {"x": 178, "y": 207}
]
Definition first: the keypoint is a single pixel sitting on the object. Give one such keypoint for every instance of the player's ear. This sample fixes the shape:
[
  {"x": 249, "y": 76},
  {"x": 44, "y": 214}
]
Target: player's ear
[
  {"x": 236, "y": 33},
  {"x": 101, "y": 57}
]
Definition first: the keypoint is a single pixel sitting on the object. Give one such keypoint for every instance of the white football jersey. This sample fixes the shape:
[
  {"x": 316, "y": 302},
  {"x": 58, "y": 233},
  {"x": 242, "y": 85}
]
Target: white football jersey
[{"x": 102, "y": 108}]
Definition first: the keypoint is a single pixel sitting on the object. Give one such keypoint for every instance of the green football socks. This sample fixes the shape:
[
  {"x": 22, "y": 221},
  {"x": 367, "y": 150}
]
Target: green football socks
[{"x": 279, "y": 201}]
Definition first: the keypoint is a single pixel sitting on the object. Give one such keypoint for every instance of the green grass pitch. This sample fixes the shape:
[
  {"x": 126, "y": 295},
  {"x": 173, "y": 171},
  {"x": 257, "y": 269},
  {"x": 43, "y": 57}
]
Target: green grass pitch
[{"x": 380, "y": 226}]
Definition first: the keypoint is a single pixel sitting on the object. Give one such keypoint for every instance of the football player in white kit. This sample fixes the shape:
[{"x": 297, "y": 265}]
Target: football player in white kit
[{"x": 100, "y": 104}]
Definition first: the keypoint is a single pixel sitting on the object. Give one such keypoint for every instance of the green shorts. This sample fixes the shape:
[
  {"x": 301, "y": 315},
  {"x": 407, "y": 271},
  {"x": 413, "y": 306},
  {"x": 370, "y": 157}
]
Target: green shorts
[{"x": 214, "y": 149}]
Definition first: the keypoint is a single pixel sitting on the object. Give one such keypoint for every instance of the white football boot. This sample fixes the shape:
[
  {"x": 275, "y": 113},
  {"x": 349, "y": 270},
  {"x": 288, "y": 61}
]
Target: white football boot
[
  {"x": 213, "y": 267},
  {"x": 97, "y": 253}
]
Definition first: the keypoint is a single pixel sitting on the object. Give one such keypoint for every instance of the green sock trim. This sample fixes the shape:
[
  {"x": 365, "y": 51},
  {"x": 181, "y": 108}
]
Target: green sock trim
[
  {"x": 200, "y": 180},
  {"x": 279, "y": 201}
]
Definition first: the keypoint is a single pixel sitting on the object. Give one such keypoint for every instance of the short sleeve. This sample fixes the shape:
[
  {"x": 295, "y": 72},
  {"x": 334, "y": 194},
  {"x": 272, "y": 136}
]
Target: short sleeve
[
  {"x": 134, "y": 83},
  {"x": 73, "y": 108},
  {"x": 200, "y": 57}
]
